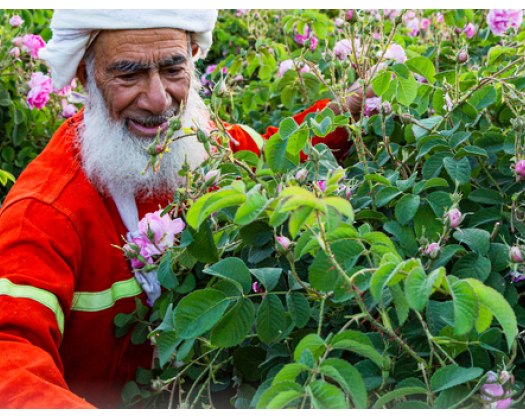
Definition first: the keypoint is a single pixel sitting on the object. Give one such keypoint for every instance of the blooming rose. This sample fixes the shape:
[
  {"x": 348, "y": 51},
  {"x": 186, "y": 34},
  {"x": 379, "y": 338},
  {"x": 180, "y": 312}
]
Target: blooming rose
[
  {"x": 289, "y": 65},
  {"x": 302, "y": 38},
  {"x": 413, "y": 25},
  {"x": 160, "y": 231},
  {"x": 284, "y": 242},
  {"x": 15, "y": 52},
  {"x": 425, "y": 23},
  {"x": 40, "y": 89},
  {"x": 520, "y": 168},
  {"x": 500, "y": 20},
  {"x": 343, "y": 48},
  {"x": 492, "y": 392},
  {"x": 515, "y": 254},
  {"x": 32, "y": 44},
  {"x": 16, "y": 21},
  {"x": 372, "y": 104},
  {"x": 396, "y": 53},
  {"x": 454, "y": 217},
  {"x": 313, "y": 43},
  {"x": 470, "y": 30}
]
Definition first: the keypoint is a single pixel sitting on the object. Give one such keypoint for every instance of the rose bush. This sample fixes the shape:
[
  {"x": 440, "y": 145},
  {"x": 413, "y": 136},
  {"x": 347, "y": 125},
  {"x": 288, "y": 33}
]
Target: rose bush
[{"x": 390, "y": 279}]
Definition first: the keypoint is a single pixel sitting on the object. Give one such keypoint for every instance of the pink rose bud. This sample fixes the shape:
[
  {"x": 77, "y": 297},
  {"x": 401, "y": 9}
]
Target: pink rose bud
[
  {"x": 520, "y": 168},
  {"x": 454, "y": 217},
  {"x": 18, "y": 41},
  {"x": 68, "y": 109},
  {"x": 301, "y": 175},
  {"x": 469, "y": 30},
  {"x": 515, "y": 254},
  {"x": 212, "y": 175},
  {"x": 284, "y": 242},
  {"x": 343, "y": 49},
  {"x": 462, "y": 57},
  {"x": 440, "y": 18},
  {"x": 505, "y": 376},
  {"x": 339, "y": 22},
  {"x": 257, "y": 288},
  {"x": 14, "y": 52},
  {"x": 425, "y": 23},
  {"x": 16, "y": 21},
  {"x": 432, "y": 250},
  {"x": 313, "y": 43},
  {"x": 322, "y": 185},
  {"x": 349, "y": 14}
]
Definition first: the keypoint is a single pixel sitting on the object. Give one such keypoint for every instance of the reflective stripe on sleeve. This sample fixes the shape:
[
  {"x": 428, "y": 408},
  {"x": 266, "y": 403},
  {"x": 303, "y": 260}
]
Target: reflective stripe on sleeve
[
  {"x": 41, "y": 296},
  {"x": 101, "y": 300}
]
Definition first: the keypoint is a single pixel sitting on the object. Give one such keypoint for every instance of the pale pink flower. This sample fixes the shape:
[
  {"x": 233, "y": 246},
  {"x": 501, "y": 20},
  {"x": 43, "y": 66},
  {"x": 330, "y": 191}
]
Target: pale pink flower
[
  {"x": 519, "y": 169},
  {"x": 32, "y": 44},
  {"x": 322, "y": 185},
  {"x": 289, "y": 65},
  {"x": 372, "y": 105},
  {"x": 413, "y": 25},
  {"x": 16, "y": 21},
  {"x": 376, "y": 36},
  {"x": 343, "y": 48},
  {"x": 339, "y": 22},
  {"x": 160, "y": 230},
  {"x": 391, "y": 13},
  {"x": 241, "y": 12},
  {"x": 301, "y": 38},
  {"x": 440, "y": 18},
  {"x": 493, "y": 393},
  {"x": 396, "y": 53},
  {"x": 313, "y": 43},
  {"x": 500, "y": 20},
  {"x": 284, "y": 242},
  {"x": 432, "y": 250},
  {"x": 425, "y": 24},
  {"x": 515, "y": 254},
  {"x": 470, "y": 30},
  {"x": 40, "y": 89},
  {"x": 448, "y": 103},
  {"x": 212, "y": 176},
  {"x": 68, "y": 109},
  {"x": 18, "y": 41},
  {"x": 454, "y": 217},
  {"x": 15, "y": 52},
  {"x": 420, "y": 78},
  {"x": 301, "y": 175}
]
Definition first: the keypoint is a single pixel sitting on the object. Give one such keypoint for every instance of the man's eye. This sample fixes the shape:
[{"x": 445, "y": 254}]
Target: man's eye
[
  {"x": 127, "y": 76},
  {"x": 173, "y": 70}
]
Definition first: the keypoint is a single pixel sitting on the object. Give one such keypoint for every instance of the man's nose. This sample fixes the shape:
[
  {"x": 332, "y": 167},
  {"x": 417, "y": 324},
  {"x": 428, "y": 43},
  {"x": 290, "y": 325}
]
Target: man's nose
[{"x": 155, "y": 98}]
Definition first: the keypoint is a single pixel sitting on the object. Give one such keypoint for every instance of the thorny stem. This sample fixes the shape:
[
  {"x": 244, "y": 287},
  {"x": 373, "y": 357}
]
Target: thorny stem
[{"x": 208, "y": 368}]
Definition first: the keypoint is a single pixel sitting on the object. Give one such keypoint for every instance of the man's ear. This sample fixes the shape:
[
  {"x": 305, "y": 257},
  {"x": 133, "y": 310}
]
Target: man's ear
[
  {"x": 194, "y": 49},
  {"x": 81, "y": 72}
]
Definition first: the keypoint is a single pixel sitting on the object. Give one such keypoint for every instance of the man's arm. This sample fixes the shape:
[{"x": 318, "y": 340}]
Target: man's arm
[{"x": 37, "y": 249}]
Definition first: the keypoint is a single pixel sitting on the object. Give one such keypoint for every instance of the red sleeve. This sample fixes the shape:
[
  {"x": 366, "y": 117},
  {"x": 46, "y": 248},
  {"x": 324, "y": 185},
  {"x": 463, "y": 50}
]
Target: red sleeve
[
  {"x": 38, "y": 247},
  {"x": 337, "y": 140}
]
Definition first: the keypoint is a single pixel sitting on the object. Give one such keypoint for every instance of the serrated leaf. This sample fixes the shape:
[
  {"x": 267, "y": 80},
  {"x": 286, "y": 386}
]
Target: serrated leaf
[
  {"x": 395, "y": 394},
  {"x": 165, "y": 274},
  {"x": 211, "y": 202},
  {"x": 406, "y": 90},
  {"x": 406, "y": 208},
  {"x": 458, "y": 170},
  {"x": 234, "y": 326},
  {"x": 326, "y": 396},
  {"x": 312, "y": 342},
  {"x": 289, "y": 372},
  {"x": 381, "y": 277},
  {"x": 358, "y": 343},
  {"x": 478, "y": 240},
  {"x": 198, "y": 312},
  {"x": 166, "y": 344},
  {"x": 298, "y": 308},
  {"x": 300, "y": 218},
  {"x": 498, "y": 307},
  {"x": 381, "y": 83},
  {"x": 465, "y": 307},
  {"x": 270, "y": 318},
  {"x": 251, "y": 209},
  {"x": 232, "y": 269},
  {"x": 422, "y": 66},
  {"x": 287, "y": 127},
  {"x": 472, "y": 265},
  {"x": 419, "y": 286},
  {"x": 277, "y": 389},
  {"x": 267, "y": 276},
  {"x": 342, "y": 206},
  {"x": 400, "y": 303},
  {"x": 453, "y": 375},
  {"x": 385, "y": 195},
  {"x": 349, "y": 378}
]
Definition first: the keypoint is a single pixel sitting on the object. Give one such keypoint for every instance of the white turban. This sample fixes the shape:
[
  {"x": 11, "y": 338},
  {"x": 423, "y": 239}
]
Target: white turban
[{"x": 74, "y": 30}]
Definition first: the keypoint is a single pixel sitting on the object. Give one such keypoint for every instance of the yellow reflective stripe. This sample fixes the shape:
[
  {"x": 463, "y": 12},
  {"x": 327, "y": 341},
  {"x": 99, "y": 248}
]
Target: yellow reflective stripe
[
  {"x": 101, "y": 300},
  {"x": 41, "y": 296}
]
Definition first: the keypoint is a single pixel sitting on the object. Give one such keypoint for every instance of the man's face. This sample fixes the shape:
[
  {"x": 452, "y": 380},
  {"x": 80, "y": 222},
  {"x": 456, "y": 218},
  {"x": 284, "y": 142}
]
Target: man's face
[{"x": 143, "y": 75}]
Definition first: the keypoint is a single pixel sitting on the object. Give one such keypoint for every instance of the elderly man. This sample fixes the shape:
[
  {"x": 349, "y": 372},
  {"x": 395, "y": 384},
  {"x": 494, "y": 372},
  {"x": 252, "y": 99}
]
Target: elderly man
[{"x": 61, "y": 281}]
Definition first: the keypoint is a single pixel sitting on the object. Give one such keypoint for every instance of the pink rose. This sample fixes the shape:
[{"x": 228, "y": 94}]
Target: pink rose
[
  {"x": 14, "y": 52},
  {"x": 425, "y": 23},
  {"x": 500, "y": 20},
  {"x": 343, "y": 49},
  {"x": 338, "y": 22},
  {"x": 515, "y": 254},
  {"x": 432, "y": 250},
  {"x": 16, "y": 21},
  {"x": 454, "y": 217},
  {"x": 40, "y": 89},
  {"x": 289, "y": 65},
  {"x": 396, "y": 53},
  {"x": 160, "y": 231},
  {"x": 440, "y": 18},
  {"x": 302, "y": 38},
  {"x": 470, "y": 30},
  {"x": 349, "y": 14},
  {"x": 322, "y": 185},
  {"x": 284, "y": 242},
  {"x": 493, "y": 393},
  {"x": 241, "y": 12},
  {"x": 372, "y": 105},
  {"x": 32, "y": 44},
  {"x": 313, "y": 43},
  {"x": 68, "y": 109},
  {"x": 520, "y": 168}
]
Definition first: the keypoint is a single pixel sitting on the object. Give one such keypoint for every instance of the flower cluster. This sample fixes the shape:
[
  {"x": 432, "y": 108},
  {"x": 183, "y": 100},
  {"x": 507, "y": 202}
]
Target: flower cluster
[
  {"x": 495, "y": 391},
  {"x": 501, "y": 20},
  {"x": 307, "y": 38},
  {"x": 156, "y": 233}
]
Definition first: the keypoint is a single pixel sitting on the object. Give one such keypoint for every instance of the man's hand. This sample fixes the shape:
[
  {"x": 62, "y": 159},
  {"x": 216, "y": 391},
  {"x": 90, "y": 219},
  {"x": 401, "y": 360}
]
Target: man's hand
[{"x": 354, "y": 101}]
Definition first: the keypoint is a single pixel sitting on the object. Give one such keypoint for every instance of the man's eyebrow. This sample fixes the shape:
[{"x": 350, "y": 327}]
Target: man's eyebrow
[{"x": 127, "y": 66}]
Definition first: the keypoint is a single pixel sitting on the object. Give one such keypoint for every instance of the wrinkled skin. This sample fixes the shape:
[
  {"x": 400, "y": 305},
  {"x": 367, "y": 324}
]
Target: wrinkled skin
[{"x": 144, "y": 75}]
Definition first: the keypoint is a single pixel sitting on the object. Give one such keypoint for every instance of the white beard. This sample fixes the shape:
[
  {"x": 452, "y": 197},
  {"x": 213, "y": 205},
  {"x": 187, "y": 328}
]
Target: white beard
[{"x": 114, "y": 159}]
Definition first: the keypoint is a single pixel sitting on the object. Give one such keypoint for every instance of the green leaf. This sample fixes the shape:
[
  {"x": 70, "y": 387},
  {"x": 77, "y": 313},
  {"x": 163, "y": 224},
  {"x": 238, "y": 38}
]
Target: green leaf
[
  {"x": 289, "y": 372},
  {"x": 251, "y": 209},
  {"x": 166, "y": 344},
  {"x": 326, "y": 396},
  {"x": 381, "y": 277},
  {"x": 478, "y": 240},
  {"x": 342, "y": 206},
  {"x": 395, "y": 394},
  {"x": 165, "y": 274},
  {"x": 458, "y": 170},
  {"x": 203, "y": 247},
  {"x": 198, "y": 312},
  {"x": 349, "y": 378},
  {"x": 322, "y": 274},
  {"x": 419, "y": 286},
  {"x": 401, "y": 304},
  {"x": 287, "y": 127},
  {"x": 422, "y": 66},
  {"x": 385, "y": 195},
  {"x": 381, "y": 82},
  {"x": 276, "y": 156},
  {"x": 312, "y": 342},
  {"x": 406, "y": 90},
  {"x": 286, "y": 390},
  {"x": 232, "y": 269},
  {"x": 406, "y": 208},
  {"x": 498, "y": 306},
  {"x": 485, "y": 196},
  {"x": 270, "y": 318},
  {"x": 472, "y": 265},
  {"x": 267, "y": 276},
  {"x": 359, "y": 343},
  {"x": 300, "y": 218},
  {"x": 299, "y": 308},
  {"x": 453, "y": 375},
  {"x": 483, "y": 97},
  {"x": 212, "y": 202},
  {"x": 465, "y": 307},
  {"x": 233, "y": 327},
  {"x": 425, "y": 126}
]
